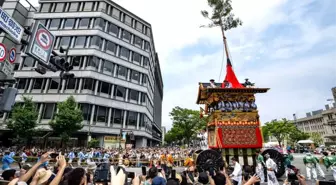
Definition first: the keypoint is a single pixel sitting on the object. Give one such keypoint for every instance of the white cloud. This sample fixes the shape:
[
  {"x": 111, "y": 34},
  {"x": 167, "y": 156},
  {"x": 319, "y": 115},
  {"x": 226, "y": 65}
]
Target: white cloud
[{"x": 176, "y": 25}]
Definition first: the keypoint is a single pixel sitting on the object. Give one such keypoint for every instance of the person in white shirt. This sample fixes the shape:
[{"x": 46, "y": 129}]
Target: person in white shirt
[
  {"x": 271, "y": 169},
  {"x": 212, "y": 84},
  {"x": 236, "y": 175},
  {"x": 227, "y": 84}
]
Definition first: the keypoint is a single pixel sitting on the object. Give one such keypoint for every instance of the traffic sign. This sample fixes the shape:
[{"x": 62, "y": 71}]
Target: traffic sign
[
  {"x": 3, "y": 52},
  {"x": 6, "y": 67},
  {"x": 43, "y": 39},
  {"x": 12, "y": 55},
  {"x": 42, "y": 44},
  {"x": 10, "y": 26}
]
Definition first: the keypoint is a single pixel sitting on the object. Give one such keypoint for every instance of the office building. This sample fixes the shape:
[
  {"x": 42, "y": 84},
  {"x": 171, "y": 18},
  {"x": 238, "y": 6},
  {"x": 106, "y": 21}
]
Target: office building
[
  {"x": 334, "y": 93},
  {"x": 118, "y": 81},
  {"x": 321, "y": 121}
]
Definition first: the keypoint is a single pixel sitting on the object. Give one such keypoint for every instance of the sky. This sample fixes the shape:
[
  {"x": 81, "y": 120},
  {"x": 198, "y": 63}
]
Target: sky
[{"x": 287, "y": 46}]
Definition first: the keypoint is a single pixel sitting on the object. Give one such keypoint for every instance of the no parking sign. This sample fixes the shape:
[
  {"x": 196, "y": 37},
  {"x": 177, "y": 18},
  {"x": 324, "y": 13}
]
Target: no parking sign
[{"x": 12, "y": 55}]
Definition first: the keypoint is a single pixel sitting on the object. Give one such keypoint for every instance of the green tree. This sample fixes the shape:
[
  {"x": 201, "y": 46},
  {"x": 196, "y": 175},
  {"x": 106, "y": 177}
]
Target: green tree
[
  {"x": 297, "y": 135},
  {"x": 23, "y": 120},
  {"x": 221, "y": 17},
  {"x": 68, "y": 119},
  {"x": 93, "y": 143},
  {"x": 186, "y": 123},
  {"x": 265, "y": 134},
  {"x": 316, "y": 138},
  {"x": 280, "y": 129},
  {"x": 169, "y": 137}
]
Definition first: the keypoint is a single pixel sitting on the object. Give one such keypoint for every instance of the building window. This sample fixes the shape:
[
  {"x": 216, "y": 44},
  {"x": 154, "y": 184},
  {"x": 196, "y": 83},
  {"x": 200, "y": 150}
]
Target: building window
[
  {"x": 124, "y": 53},
  {"x": 96, "y": 42},
  {"x": 142, "y": 120},
  {"x": 101, "y": 114},
  {"x": 86, "y": 110},
  {"x": 89, "y": 84},
  {"x": 128, "y": 20},
  {"x": 55, "y": 24},
  {"x": 38, "y": 83},
  {"x": 120, "y": 91},
  {"x": 148, "y": 32},
  {"x": 45, "y": 7},
  {"x": 133, "y": 95},
  {"x": 138, "y": 41},
  {"x": 122, "y": 71},
  {"x": 139, "y": 26},
  {"x": 147, "y": 46},
  {"x": 99, "y": 24},
  {"x": 71, "y": 83},
  {"x": 145, "y": 62},
  {"x": 76, "y": 61},
  {"x": 65, "y": 42},
  {"x": 54, "y": 83},
  {"x": 111, "y": 47},
  {"x": 113, "y": 29},
  {"x": 74, "y": 7},
  {"x": 48, "y": 110},
  {"x": 80, "y": 42},
  {"x": 22, "y": 83},
  {"x": 135, "y": 76},
  {"x": 136, "y": 57},
  {"x": 132, "y": 118},
  {"x": 143, "y": 97},
  {"x": 116, "y": 13},
  {"x": 144, "y": 79},
  {"x": 105, "y": 88},
  {"x": 88, "y": 7},
  {"x": 102, "y": 7},
  {"x": 60, "y": 7},
  {"x": 126, "y": 36},
  {"x": 108, "y": 67},
  {"x": 69, "y": 24},
  {"x": 28, "y": 62},
  {"x": 92, "y": 62},
  {"x": 42, "y": 21},
  {"x": 118, "y": 116},
  {"x": 84, "y": 23}
]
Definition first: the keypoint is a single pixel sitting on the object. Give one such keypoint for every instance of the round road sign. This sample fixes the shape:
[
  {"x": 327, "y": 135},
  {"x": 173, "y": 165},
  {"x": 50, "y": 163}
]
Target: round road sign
[
  {"x": 43, "y": 39},
  {"x": 3, "y": 52},
  {"x": 12, "y": 55}
]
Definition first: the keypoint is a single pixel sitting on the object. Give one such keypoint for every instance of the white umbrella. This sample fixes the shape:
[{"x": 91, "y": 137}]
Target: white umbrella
[{"x": 305, "y": 142}]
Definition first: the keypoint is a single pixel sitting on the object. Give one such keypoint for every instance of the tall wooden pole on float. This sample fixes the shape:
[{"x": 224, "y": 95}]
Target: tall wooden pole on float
[{"x": 224, "y": 40}]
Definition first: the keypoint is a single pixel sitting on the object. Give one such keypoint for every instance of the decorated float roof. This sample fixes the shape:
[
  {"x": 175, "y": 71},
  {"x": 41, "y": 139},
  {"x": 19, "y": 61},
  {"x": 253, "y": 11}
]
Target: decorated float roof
[{"x": 205, "y": 90}]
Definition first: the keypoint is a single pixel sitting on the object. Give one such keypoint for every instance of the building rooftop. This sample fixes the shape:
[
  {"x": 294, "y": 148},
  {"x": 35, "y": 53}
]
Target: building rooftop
[{"x": 316, "y": 116}]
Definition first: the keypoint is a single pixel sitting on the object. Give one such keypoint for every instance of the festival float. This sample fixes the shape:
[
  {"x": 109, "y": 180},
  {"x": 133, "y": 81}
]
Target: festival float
[
  {"x": 233, "y": 124},
  {"x": 233, "y": 127}
]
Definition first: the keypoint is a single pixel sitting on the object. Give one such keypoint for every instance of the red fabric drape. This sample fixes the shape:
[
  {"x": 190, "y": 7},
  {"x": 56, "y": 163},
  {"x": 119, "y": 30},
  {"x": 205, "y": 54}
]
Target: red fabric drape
[{"x": 231, "y": 76}]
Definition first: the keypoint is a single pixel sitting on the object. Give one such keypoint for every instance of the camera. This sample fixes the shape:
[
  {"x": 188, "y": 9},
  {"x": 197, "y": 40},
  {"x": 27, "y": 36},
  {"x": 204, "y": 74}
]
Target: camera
[{"x": 292, "y": 175}]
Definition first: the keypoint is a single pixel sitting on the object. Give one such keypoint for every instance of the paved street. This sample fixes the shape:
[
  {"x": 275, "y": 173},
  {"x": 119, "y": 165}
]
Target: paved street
[{"x": 298, "y": 162}]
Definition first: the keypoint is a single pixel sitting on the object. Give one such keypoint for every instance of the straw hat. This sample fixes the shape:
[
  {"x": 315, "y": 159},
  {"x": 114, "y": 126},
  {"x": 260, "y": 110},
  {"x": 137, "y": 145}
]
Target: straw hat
[{"x": 44, "y": 175}]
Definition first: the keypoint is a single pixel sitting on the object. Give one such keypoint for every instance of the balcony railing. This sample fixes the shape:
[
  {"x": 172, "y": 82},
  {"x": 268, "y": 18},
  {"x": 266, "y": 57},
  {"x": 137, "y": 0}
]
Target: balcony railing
[{"x": 331, "y": 122}]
